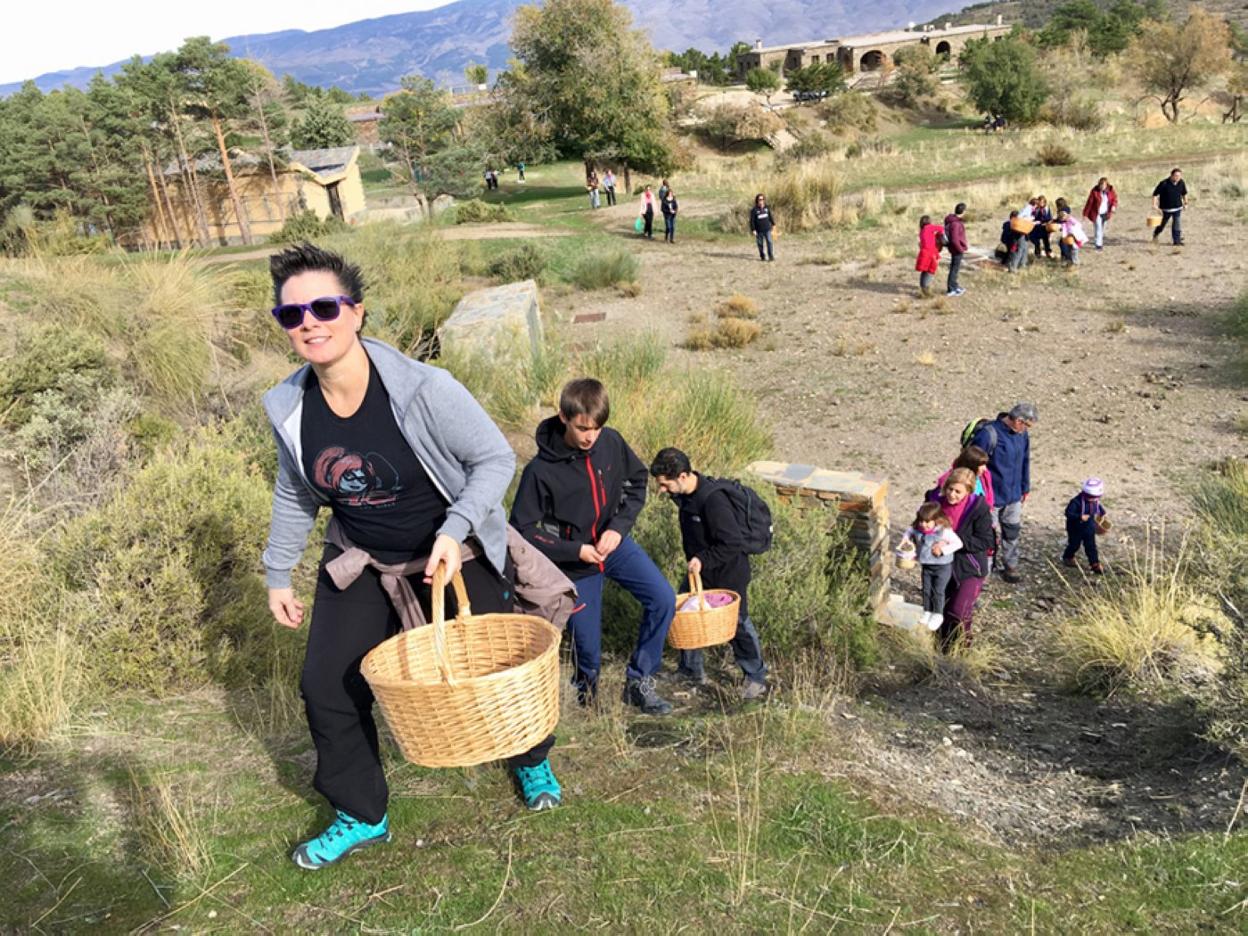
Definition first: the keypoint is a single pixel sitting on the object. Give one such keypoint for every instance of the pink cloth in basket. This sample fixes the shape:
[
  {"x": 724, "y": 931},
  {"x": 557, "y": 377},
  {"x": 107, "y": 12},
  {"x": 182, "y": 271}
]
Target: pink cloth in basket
[{"x": 713, "y": 600}]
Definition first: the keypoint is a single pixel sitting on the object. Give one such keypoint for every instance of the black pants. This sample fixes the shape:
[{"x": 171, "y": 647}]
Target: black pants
[
  {"x": 1082, "y": 534},
  {"x": 345, "y": 626},
  {"x": 610, "y": 190},
  {"x": 649, "y": 219}
]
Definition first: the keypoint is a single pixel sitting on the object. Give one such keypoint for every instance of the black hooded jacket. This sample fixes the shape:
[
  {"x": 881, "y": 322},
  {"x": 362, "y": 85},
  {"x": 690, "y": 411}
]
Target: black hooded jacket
[
  {"x": 568, "y": 497},
  {"x": 709, "y": 529}
]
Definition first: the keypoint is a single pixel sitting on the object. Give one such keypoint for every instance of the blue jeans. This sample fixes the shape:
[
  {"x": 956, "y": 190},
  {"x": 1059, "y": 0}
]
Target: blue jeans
[
  {"x": 1176, "y": 228},
  {"x": 1101, "y": 221},
  {"x": 761, "y": 238},
  {"x": 747, "y": 650},
  {"x": 669, "y": 228},
  {"x": 635, "y": 572},
  {"x": 1070, "y": 253}
]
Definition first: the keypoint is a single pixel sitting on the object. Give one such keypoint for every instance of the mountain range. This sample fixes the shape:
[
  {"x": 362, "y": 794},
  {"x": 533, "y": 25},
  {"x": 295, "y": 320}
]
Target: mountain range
[{"x": 370, "y": 56}]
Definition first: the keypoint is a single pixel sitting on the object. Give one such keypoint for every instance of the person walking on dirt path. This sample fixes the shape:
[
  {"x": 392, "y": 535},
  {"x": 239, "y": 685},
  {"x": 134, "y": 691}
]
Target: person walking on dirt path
[
  {"x": 1083, "y": 516},
  {"x": 1170, "y": 198},
  {"x": 413, "y": 472},
  {"x": 577, "y": 502},
  {"x": 714, "y": 539},
  {"x": 1008, "y": 444},
  {"x": 608, "y": 186},
  {"x": 648, "y": 204},
  {"x": 591, "y": 185},
  {"x": 664, "y": 188},
  {"x": 1099, "y": 208},
  {"x": 520, "y": 171},
  {"x": 931, "y": 239},
  {"x": 670, "y": 207},
  {"x": 970, "y": 518},
  {"x": 762, "y": 222},
  {"x": 955, "y": 241}
]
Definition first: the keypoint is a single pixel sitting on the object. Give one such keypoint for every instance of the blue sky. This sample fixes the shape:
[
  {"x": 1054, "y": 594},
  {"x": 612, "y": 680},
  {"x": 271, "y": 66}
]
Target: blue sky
[{"x": 76, "y": 33}]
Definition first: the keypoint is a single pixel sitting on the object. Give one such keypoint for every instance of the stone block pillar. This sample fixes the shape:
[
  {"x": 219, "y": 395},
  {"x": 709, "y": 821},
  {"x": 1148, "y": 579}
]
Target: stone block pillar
[{"x": 849, "y": 497}]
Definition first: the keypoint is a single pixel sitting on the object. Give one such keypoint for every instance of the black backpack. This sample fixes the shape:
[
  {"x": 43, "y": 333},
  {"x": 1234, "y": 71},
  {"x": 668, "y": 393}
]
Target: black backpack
[{"x": 752, "y": 513}]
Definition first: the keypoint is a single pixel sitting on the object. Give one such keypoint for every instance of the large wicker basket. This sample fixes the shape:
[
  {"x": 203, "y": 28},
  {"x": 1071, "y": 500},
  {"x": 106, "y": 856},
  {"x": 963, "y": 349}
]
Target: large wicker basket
[
  {"x": 1021, "y": 225},
  {"x": 706, "y": 626},
  {"x": 474, "y": 689}
]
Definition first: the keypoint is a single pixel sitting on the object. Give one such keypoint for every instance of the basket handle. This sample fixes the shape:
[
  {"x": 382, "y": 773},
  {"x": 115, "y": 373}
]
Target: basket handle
[
  {"x": 438, "y": 602},
  {"x": 695, "y": 581}
]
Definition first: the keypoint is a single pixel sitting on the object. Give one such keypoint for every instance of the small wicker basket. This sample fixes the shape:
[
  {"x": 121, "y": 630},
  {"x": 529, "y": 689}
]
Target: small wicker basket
[
  {"x": 706, "y": 626},
  {"x": 1154, "y": 220},
  {"x": 1103, "y": 526},
  {"x": 474, "y": 689},
  {"x": 906, "y": 558}
]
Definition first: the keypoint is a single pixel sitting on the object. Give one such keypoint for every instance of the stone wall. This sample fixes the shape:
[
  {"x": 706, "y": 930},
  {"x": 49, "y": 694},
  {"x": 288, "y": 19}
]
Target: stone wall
[{"x": 849, "y": 497}]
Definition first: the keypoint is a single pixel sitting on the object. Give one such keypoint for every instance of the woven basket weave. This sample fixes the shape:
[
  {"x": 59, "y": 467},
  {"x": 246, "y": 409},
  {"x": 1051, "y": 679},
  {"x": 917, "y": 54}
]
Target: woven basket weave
[
  {"x": 474, "y": 689},
  {"x": 706, "y": 627}
]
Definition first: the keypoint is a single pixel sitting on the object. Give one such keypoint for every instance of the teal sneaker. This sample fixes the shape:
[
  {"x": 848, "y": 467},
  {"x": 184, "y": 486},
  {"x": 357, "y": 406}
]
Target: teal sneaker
[
  {"x": 345, "y": 835},
  {"x": 538, "y": 786}
]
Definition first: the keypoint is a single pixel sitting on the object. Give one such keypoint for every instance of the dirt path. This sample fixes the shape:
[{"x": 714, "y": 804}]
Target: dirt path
[{"x": 1135, "y": 381}]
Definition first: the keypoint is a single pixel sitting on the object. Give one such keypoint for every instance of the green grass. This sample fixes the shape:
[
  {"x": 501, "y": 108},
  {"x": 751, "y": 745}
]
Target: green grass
[{"x": 714, "y": 822}]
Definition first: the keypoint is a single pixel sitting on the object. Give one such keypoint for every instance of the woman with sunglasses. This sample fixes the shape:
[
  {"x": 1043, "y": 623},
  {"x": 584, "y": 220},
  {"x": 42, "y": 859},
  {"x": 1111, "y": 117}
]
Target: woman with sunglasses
[{"x": 414, "y": 472}]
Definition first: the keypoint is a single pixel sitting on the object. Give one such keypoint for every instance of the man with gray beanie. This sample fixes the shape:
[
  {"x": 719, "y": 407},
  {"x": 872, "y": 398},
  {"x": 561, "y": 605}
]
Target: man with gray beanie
[{"x": 1008, "y": 445}]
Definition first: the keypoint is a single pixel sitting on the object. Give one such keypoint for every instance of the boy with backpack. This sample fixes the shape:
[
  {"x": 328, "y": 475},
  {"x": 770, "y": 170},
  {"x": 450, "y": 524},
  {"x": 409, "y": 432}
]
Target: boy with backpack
[
  {"x": 1008, "y": 444},
  {"x": 577, "y": 502},
  {"x": 721, "y": 524}
]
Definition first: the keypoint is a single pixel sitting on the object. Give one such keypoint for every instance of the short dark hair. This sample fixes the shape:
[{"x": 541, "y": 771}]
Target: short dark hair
[
  {"x": 959, "y": 208},
  {"x": 585, "y": 397},
  {"x": 925, "y": 221},
  {"x": 306, "y": 258},
  {"x": 930, "y": 512},
  {"x": 1175, "y": 169},
  {"x": 670, "y": 463}
]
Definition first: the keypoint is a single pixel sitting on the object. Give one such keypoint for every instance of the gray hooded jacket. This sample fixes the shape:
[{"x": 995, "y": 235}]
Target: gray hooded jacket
[{"x": 465, "y": 455}]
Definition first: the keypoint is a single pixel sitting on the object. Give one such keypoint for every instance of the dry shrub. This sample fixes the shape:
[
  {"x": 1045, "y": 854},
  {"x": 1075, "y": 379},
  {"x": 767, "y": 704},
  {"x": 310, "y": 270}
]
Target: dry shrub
[
  {"x": 1054, "y": 154},
  {"x": 1150, "y": 630},
  {"x": 737, "y": 306},
  {"x": 805, "y": 197},
  {"x": 171, "y": 826},
  {"x": 736, "y": 332}
]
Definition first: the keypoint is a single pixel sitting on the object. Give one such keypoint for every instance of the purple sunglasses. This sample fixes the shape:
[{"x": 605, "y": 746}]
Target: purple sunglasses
[{"x": 290, "y": 314}]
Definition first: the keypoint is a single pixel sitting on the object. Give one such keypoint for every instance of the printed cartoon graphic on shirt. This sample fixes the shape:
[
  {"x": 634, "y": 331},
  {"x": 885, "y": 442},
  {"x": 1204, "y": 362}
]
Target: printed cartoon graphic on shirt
[{"x": 356, "y": 480}]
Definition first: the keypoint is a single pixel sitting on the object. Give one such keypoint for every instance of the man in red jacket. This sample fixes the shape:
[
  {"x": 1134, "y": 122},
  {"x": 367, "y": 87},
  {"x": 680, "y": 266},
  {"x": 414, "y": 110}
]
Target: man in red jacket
[
  {"x": 955, "y": 241},
  {"x": 1100, "y": 207}
]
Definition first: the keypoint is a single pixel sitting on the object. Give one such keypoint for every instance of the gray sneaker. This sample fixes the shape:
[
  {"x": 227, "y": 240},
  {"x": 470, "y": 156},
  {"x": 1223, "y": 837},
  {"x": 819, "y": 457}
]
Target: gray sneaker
[
  {"x": 641, "y": 694},
  {"x": 751, "y": 689}
]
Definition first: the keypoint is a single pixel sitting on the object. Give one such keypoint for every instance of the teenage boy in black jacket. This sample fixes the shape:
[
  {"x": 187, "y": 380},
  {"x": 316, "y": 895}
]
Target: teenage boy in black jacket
[
  {"x": 715, "y": 547},
  {"x": 577, "y": 502}
]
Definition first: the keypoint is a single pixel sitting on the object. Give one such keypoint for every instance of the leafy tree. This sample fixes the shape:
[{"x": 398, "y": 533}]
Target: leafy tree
[
  {"x": 763, "y": 81},
  {"x": 728, "y": 125},
  {"x": 588, "y": 84},
  {"x": 1109, "y": 31},
  {"x": 1169, "y": 60},
  {"x": 1237, "y": 90},
  {"x": 477, "y": 75},
  {"x": 733, "y": 63},
  {"x": 1002, "y": 78},
  {"x": 818, "y": 77},
  {"x": 913, "y": 81},
  {"x": 420, "y": 122},
  {"x": 268, "y": 117},
  {"x": 323, "y": 126}
]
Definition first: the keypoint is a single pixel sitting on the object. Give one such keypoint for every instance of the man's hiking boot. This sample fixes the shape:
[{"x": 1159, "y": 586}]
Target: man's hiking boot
[
  {"x": 1069, "y": 563},
  {"x": 1010, "y": 574},
  {"x": 1097, "y": 568},
  {"x": 538, "y": 787},
  {"x": 345, "y": 835},
  {"x": 752, "y": 689},
  {"x": 641, "y": 694}
]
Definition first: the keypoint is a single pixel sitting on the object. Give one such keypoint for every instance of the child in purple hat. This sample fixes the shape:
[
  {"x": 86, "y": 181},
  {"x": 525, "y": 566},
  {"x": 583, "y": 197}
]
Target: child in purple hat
[{"x": 1082, "y": 515}]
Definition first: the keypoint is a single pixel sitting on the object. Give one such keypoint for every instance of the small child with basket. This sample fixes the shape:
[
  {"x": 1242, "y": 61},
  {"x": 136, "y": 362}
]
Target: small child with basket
[
  {"x": 1085, "y": 519},
  {"x": 935, "y": 542}
]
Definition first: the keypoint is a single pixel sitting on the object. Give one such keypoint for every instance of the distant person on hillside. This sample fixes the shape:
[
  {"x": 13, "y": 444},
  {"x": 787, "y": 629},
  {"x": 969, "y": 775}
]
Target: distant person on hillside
[
  {"x": 1073, "y": 238},
  {"x": 1039, "y": 236},
  {"x": 1016, "y": 245},
  {"x": 520, "y": 171},
  {"x": 669, "y": 206},
  {"x": 1084, "y": 517},
  {"x": 970, "y": 518},
  {"x": 1008, "y": 444},
  {"x": 664, "y": 188},
  {"x": 648, "y": 202},
  {"x": 714, "y": 538},
  {"x": 931, "y": 239},
  {"x": 955, "y": 241},
  {"x": 591, "y": 185},
  {"x": 1170, "y": 198},
  {"x": 608, "y": 186},
  {"x": 1100, "y": 207},
  {"x": 762, "y": 222}
]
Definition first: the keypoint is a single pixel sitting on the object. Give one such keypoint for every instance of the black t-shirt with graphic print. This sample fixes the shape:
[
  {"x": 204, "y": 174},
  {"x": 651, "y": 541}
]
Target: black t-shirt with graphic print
[{"x": 377, "y": 487}]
